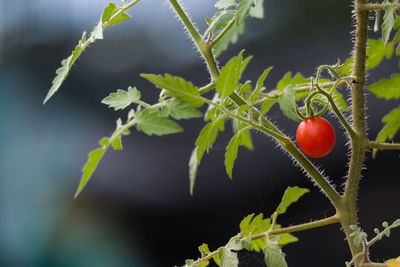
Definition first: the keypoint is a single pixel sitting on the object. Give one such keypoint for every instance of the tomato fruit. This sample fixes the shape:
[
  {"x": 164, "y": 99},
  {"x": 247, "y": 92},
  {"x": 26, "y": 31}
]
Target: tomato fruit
[{"x": 315, "y": 137}]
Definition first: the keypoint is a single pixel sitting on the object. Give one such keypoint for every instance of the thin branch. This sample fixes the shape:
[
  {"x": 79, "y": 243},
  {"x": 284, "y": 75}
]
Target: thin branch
[
  {"x": 223, "y": 32},
  {"x": 378, "y": 6},
  {"x": 386, "y": 146},
  {"x": 301, "y": 227},
  {"x": 207, "y": 88},
  {"x": 373, "y": 264}
]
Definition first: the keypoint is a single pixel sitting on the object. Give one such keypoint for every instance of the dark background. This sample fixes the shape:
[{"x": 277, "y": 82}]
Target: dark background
[{"x": 136, "y": 210}]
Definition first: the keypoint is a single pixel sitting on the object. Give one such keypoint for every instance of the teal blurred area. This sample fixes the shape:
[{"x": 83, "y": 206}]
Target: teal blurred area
[{"x": 136, "y": 210}]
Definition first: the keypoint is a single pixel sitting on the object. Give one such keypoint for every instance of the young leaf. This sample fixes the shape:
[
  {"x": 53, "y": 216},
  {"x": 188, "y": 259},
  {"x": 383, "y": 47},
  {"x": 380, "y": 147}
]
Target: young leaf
[
  {"x": 260, "y": 83},
  {"x": 267, "y": 105},
  {"x": 291, "y": 195},
  {"x": 224, "y": 4},
  {"x": 204, "y": 142},
  {"x": 176, "y": 87},
  {"x": 111, "y": 17},
  {"x": 243, "y": 10},
  {"x": 231, "y": 36},
  {"x": 376, "y": 51},
  {"x": 178, "y": 109},
  {"x": 274, "y": 257},
  {"x": 387, "y": 89},
  {"x": 392, "y": 125},
  {"x": 204, "y": 250},
  {"x": 112, "y": 12},
  {"x": 66, "y": 65},
  {"x": 288, "y": 80},
  {"x": 122, "y": 99},
  {"x": 215, "y": 19},
  {"x": 258, "y": 10},
  {"x": 231, "y": 153},
  {"x": 388, "y": 22},
  {"x": 287, "y": 102},
  {"x": 193, "y": 166},
  {"x": 229, "y": 77},
  {"x": 149, "y": 122},
  {"x": 117, "y": 143},
  {"x": 93, "y": 160}
]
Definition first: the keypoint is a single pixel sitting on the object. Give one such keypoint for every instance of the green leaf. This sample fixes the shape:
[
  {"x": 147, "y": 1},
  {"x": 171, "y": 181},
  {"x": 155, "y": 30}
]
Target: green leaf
[
  {"x": 149, "y": 122},
  {"x": 267, "y": 105},
  {"x": 287, "y": 239},
  {"x": 93, "y": 160},
  {"x": 193, "y": 166},
  {"x": 116, "y": 143},
  {"x": 246, "y": 243},
  {"x": 397, "y": 23},
  {"x": 389, "y": 50},
  {"x": 66, "y": 65},
  {"x": 260, "y": 84},
  {"x": 96, "y": 34},
  {"x": 227, "y": 81},
  {"x": 392, "y": 125},
  {"x": 244, "y": 224},
  {"x": 230, "y": 75},
  {"x": 288, "y": 80},
  {"x": 274, "y": 257},
  {"x": 231, "y": 153},
  {"x": 110, "y": 11},
  {"x": 347, "y": 67},
  {"x": 204, "y": 142},
  {"x": 229, "y": 258},
  {"x": 176, "y": 87},
  {"x": 224, "y": 4},
  {"x": 204, "y": 250},
  {"x": 291, "y": 195},
  {"x": 258, "y": 10},
  {"x": 214, "y": 21},
  {"x": 122, "y": 99},
  {"x": 231, "y": 36},
  {"x": 287, "y": 102},
  {"x": 387, "y": 88},
  {"x": 376, "y": 51},
  {"x": 388, "y": 22},
  {"x": 243, "y": 10},
  {"x": 178, "y": 109}
]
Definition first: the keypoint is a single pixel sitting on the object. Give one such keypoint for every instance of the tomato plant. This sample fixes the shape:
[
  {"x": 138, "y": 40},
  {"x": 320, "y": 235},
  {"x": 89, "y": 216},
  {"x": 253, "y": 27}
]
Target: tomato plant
[
  {"x": 245, "y": 104},
  {"x": 315, "y": 137}
]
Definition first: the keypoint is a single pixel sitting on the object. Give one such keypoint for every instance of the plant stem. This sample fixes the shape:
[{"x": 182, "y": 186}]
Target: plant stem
[
  {"x": 369, "y": 7},
  {"x": 387, "y": 146},
  {"x": 348, "y": 210},
  {"x": 202, "y": 46},
  {"x": 222, "y": 33},
  {"x": 301, "y": 227},
  {"x": 206, "y": 88}
]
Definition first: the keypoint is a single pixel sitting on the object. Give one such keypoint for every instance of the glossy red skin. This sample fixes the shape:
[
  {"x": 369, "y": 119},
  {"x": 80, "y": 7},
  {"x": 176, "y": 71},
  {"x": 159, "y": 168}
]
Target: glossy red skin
[{"x": 315, "y": 137}]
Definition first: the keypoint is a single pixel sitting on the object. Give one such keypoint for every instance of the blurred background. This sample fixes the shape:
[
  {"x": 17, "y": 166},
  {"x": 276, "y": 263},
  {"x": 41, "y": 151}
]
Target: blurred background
[{"x": 136, "y": 210}]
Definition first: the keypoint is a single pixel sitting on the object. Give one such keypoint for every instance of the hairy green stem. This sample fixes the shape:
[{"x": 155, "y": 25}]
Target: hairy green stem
[
  {"x": 368, "y": 7},
  {"x": 387, "y": 146},
  {"x": 301, "y": 227},
  {"x": 348, "y": 209},
  {"x": 222, "y": 33},
  {"x": 202, "y": 46}
]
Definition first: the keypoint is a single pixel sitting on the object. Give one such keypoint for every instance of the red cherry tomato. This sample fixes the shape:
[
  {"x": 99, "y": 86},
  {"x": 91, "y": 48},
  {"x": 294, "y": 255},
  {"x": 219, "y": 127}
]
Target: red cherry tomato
[{"x": 315, "y": 137}]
